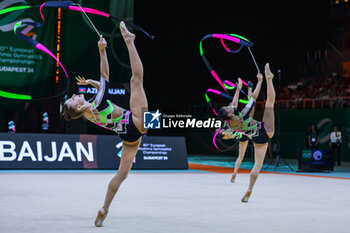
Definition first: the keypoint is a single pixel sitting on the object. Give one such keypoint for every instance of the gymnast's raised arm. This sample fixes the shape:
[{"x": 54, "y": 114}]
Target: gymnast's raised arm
[
  {"x": 258, "y": 86},
  {"x": 104, "y": 67},
  {"x": 234, "y": 102}
]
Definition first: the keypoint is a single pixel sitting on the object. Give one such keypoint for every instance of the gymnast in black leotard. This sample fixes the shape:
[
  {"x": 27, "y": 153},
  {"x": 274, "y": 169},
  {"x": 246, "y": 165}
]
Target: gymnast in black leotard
[
  {"x": 239, "y": 124},
  {"x": 101, "y": 111},
  {"x": 244, "y": 140}
]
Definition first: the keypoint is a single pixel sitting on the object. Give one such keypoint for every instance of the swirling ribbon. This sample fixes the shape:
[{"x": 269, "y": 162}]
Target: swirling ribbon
[
  {"x": 226, "y": 85},
  {"x": 57, "y": 4}
]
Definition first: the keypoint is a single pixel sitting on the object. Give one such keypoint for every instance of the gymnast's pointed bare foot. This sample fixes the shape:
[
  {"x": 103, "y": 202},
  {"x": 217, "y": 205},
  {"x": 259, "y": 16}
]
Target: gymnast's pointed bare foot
[
  {"x": 268, "y": 73},
  {"x": 128, "y": 36},
  {"x": 246, "y": 196},
  {"x": 101, "y": 215},
  {"x": 233, "y": 178}
]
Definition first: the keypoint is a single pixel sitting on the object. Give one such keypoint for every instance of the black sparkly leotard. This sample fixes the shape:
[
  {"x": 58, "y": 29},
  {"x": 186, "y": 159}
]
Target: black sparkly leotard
[
  {"x": 246, "y": 128},
  {"x": 102, "y": 110}
]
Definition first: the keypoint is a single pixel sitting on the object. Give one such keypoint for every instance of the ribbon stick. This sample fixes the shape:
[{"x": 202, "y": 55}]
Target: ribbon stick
[{"x": 71, "y": 6}]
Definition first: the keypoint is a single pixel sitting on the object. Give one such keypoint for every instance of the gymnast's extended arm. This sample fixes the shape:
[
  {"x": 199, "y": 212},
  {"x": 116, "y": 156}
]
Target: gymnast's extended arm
[
  {"x": 236, "y": 96},
  {"x": 256, "y": 92},
  {"x": 83, "y": 81},
  {"x": 104, "y": 67}
]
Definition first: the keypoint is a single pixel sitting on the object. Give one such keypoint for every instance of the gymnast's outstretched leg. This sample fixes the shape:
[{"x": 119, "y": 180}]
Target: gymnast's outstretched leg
[
  {"x": 138, "y": 104},
  {"x": 129, "y": 151},
  {"x": 138, "y": 99},
  {"x": 259, "y": 155},
  {"x": 269, "y": 115},
  {"x": 269, "y": 124},
  {"x": 241, "y": 152},
  {"x": 243, "y": 144}
]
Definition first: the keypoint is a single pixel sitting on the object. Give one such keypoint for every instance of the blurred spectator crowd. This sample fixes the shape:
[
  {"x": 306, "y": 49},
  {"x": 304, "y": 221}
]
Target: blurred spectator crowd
[
  {"x": 316, "y": 88},
  {"x": 314, "y": 92}
]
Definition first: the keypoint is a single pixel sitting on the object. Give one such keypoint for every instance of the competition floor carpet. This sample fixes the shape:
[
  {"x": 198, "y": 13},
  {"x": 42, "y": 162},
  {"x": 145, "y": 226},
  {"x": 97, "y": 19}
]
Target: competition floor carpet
[{"x": 200, "y": 199}]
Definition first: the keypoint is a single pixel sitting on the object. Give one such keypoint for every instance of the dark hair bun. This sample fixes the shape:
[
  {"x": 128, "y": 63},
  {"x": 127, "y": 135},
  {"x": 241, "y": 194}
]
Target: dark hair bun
[{"x": 223, "y": 114}]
